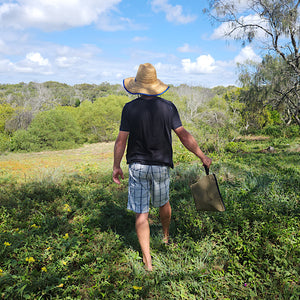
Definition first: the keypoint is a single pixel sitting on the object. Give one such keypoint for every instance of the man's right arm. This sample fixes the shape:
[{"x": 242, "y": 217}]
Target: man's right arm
[
  {"x": 119, "y": 149},
  {"x": 190, "y": 143}
]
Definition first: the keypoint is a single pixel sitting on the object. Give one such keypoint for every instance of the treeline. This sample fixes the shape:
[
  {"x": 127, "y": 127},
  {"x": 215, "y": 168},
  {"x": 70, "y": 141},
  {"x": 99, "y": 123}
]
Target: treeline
[
  {"x": 52, "y": 115},
  {"x": 61, "y": 127}
]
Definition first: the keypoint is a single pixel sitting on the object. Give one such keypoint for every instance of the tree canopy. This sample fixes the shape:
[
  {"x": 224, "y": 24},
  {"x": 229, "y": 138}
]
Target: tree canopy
[{"x": 275, "y": 26}]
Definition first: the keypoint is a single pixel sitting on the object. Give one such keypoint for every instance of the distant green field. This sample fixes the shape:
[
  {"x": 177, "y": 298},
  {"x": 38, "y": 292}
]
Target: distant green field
[{"x": 65, "y": 232}]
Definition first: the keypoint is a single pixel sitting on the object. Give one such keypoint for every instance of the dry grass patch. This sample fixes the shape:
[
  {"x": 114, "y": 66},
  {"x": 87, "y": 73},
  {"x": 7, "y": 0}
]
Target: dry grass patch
[{"x": 24, "y": 166}]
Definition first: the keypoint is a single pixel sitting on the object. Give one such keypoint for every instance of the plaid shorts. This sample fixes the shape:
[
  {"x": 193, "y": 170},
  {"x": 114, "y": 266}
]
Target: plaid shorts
[{"x": 145, "y": 183}]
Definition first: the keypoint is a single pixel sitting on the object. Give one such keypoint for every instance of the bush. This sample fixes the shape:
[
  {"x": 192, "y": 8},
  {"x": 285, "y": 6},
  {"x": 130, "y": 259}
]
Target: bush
[
  {"x": 235, "y": 147},
  {"x": 100, "y": 120},
  {"x": 54, "y": 129},
  {"x": 277, "y": 131},
  {"x": 4, "y": 142},
  {"x": 22, "y": 140},
  {"x": 292, "y": 131}
]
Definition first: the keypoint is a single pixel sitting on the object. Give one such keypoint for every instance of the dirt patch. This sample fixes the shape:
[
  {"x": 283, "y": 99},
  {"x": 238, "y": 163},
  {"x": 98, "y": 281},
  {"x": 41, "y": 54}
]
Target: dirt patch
[{"x": 297, "y": 149}]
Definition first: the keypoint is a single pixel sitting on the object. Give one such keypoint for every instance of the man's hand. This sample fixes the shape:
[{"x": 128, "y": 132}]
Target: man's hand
[
  {"x": 116, "y": 173},
  {"x": 206, "y": 161},
  {"x": 119, "y": 150}
]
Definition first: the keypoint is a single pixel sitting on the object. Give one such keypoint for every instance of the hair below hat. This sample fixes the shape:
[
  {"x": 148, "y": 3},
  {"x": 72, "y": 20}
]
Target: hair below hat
[{"x": 145, "y": 82}]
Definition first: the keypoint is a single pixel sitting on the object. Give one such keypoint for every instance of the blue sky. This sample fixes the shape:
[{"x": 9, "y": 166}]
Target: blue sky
[{"x": 94, "y": 41}]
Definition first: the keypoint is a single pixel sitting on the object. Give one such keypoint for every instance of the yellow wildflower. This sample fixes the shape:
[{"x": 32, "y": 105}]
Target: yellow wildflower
[
  {"x": 44, "y": 269},
  {"x": 1, "y": 273},
  {"x": 64, "y": 263},
  {"x": 7, "y": 244},
  {"x": 34, "y": 226},
  {"x": 137, "y": 287},
  {"x": 30, "y": 259},
  {"x": 66, "y": 236},
  {"x": 60, "y": 285},
  {"x": 67, "y": 207}
]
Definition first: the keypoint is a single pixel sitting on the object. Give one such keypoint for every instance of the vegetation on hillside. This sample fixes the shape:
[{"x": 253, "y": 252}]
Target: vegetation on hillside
[{"x": 36, "y": 117}]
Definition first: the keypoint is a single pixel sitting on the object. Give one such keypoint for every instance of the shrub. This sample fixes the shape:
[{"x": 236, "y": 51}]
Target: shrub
[
  {"x": 277, "y": 131},
  {"x": 22, "y": 140},
  {"x": 292, "y": 131},
  {"x": 99, "y": 121},
  {"x": 54, "y": 129},
  {"x": 4, "y": 142},
  {"x": 235, "y": 147}
]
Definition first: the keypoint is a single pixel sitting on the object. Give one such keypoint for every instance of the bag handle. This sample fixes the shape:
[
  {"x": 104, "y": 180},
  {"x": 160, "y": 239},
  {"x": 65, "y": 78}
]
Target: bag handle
[{"x": 206, "y": 169}]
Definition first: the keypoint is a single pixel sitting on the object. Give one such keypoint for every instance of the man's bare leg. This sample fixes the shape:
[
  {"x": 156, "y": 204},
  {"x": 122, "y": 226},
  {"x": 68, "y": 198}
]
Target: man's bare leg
[
  {"x": 143, "y": 233},
  {"x": 165, "y": 219}
]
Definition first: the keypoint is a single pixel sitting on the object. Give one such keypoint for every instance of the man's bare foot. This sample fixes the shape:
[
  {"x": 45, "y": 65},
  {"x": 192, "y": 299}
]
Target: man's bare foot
[
  {"x": 148, "y": 264},
  {"x": 165, "y": 240},
  {"x": 148, "y": 268}
]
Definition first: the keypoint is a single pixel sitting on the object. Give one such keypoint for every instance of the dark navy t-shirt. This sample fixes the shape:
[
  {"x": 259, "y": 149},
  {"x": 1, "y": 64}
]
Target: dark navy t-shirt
[{"x": 149, "y": 123}]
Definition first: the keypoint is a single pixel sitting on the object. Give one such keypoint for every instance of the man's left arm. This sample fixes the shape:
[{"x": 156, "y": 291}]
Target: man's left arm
[
  {"x": 190, "y": 143},
  {"x": 119, "y": 149}
]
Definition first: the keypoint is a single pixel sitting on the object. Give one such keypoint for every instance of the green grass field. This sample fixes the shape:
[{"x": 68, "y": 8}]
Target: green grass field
[{"x": 65, "y": 232}]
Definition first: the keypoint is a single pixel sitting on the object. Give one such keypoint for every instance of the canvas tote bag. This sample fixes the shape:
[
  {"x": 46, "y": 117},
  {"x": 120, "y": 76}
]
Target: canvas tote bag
[{"x": 206, "y": 193}]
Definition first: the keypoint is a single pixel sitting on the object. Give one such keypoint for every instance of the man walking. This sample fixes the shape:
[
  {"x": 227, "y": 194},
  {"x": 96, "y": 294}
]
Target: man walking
[{"x": 147, "y": 122}]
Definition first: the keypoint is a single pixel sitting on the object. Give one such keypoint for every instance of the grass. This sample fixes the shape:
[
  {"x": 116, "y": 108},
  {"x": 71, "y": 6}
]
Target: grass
[
  {"x": 65, "y": 232},
  {"x": 23, "y": 167}
]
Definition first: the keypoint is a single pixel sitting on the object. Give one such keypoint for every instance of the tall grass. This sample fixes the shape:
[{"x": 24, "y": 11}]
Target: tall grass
[{"x": 66, "y": 234}]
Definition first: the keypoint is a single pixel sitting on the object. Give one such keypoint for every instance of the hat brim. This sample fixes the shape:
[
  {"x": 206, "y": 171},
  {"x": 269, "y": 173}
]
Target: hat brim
[{"x": 154, "y": 89}]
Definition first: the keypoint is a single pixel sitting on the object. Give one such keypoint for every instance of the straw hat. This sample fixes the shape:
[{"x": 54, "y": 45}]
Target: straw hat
[{"x": 145, "y": 82}]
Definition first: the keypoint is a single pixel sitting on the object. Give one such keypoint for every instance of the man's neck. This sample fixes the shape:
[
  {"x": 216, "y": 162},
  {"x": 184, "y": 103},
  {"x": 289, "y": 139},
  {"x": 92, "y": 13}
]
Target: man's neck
[{"x": 147, "y": 97}]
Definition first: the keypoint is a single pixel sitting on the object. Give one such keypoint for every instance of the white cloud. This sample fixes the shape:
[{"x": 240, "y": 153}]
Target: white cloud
[
  {"x": 247, "y": 54},
  {"x": 109, "y": 23},
  {"x": 3, "y": 47},
  {"x": 224, "y": 31},
  {"x": 36, "y": 58},
  {"x": 33, "y": 64},
  {"x": 173, "y": 13},
  {"x": 5, "y": 66},
  {"x": 140, "y": 39},
  {"x": 203, "y": 64},
  {"x": 66, "y": 62},
  {"x": 67, "y": 57},
  {"x": 51, "y": 15},
  {"x": 186, "y": 48}
]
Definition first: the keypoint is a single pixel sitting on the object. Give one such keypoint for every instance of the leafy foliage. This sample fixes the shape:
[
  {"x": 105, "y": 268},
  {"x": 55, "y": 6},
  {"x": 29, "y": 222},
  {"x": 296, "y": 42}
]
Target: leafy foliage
[
  {"x": 6, "y": 111},
  {"x": 276, "y": 78},
  {"x": 71, "y": 237},
  {"x": 99, "y": 121},
  {"x": 272, "y": 91},
  {"x": 216, "y": 116},
  {"x": 53, "y": 129}
]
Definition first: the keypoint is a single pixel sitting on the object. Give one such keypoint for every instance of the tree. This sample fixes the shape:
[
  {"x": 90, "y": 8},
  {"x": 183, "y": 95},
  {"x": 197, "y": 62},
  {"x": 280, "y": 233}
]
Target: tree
[
  {"x": 20, "y": 120},
  {"x": 99, "y": 121},
  {"x": 273, "y": 84},
  {"x": 6, "y": 111},
  {"x": 52, "y": 129},
  {"x": 275, "y": 25}
]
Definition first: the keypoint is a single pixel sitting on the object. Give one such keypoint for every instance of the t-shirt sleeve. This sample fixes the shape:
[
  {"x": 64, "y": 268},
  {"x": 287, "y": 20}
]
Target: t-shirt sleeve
[
  {"x": 124, "y": 126},
  {"x": 176, "y": 122}
]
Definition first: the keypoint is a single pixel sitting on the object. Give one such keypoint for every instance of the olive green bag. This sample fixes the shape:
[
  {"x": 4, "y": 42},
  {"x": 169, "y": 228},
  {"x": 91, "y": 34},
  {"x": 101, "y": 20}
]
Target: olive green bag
[{"x": 206, "y": 193}]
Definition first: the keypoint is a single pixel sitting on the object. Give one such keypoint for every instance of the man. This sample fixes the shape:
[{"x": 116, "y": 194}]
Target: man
[{"x": 147, "y": 123}]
